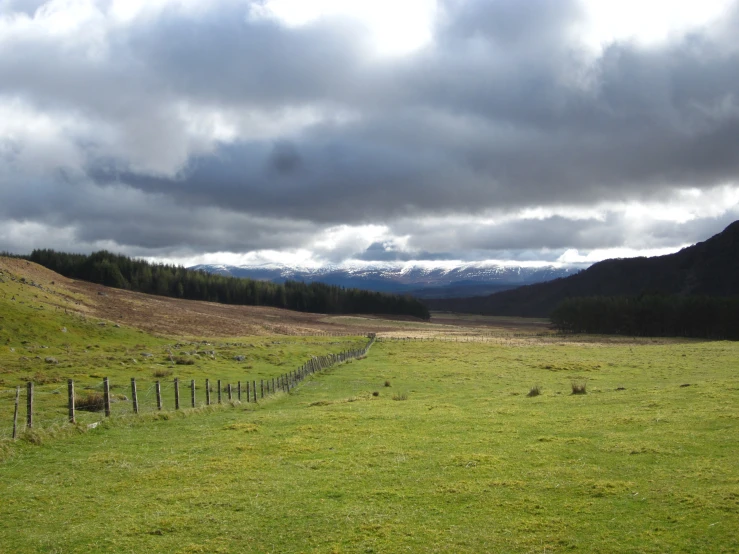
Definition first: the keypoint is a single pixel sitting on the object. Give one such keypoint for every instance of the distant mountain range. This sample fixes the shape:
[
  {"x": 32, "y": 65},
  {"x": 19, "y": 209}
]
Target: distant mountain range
[
  {"x": 708, "y": 268},
  {"x": 421, "y": 279}
]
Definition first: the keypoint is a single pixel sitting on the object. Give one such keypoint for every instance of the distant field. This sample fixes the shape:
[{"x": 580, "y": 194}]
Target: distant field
[{"x": 452, "y": 456}]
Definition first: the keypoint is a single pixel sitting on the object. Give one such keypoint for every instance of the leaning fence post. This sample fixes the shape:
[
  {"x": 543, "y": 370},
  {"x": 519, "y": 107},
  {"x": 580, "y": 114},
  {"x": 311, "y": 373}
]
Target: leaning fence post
[
  {"x": 159, "y": 395},
  {"x": 15, "y": 414},
  {"x": 70, "y": 393},
  {"x": 29, "y": 405},
  {"x": 192, "y": 392},
  {"x": 207, "y": 392},
  {"x": 134, "y": 396},
  {"x": 176, "y": 393},
  {"x": 106, "y": 396}
]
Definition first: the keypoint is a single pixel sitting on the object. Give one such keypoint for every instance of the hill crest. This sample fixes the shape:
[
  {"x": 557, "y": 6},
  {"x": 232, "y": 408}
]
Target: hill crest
[{"x": 708, "y": 268}]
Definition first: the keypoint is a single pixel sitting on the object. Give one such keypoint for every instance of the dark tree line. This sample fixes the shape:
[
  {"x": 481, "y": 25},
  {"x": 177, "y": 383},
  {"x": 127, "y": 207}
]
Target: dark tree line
[
  {"x": 651, "y": 315},
  {"x": 122, "y": 272}
]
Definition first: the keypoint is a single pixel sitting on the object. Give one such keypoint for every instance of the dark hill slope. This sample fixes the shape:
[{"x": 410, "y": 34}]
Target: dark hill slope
[{"x": 707, "y": 268}]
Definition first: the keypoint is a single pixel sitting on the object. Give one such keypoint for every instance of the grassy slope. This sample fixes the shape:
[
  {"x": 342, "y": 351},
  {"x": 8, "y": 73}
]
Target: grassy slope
[
  {"x": 38, "y": 323},
  {"x": 467, "y": 464}
]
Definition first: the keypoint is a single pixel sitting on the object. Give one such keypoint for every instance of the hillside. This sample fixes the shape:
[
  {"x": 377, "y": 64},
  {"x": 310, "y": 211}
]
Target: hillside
[
  {"x": 27, "y": 285},
  {"x": 115, "y": 270},
  {"x": 707, "y": 268}
]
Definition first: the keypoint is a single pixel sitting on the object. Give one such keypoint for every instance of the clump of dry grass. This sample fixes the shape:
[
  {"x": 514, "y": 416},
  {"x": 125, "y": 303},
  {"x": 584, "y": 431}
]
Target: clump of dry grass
[
  {"x": 184, "y": 361},
  {"x": 90, "y": 402},
  {"x": 161, "y": 373},
  {"x": 387, "y": 383},
  {"x": 400, "y": 396},
  {"x": 535, "y": 391},
  {"x": 579, "y": 387},
  {"x": 376, "y": 393}
]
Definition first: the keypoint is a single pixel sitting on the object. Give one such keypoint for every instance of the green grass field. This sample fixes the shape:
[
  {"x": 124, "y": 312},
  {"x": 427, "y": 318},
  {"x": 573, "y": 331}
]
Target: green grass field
[
  {"x": 87, "y": 349},
  {"x": 466, "y": 463}
]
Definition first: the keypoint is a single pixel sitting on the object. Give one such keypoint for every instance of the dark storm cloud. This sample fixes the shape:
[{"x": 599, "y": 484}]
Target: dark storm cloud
[{"x": 504, "y": 110}]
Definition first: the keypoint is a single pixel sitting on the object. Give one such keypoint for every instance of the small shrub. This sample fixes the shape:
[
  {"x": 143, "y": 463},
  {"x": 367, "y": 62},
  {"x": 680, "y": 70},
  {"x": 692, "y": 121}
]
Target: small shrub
[
  {"x": 90, "y": 402},
  {"x": 161, "y": 373},
  {"x": 184, "y": 361},
  {"x": 387, "y": 383},
  {"x": 535, "y": 391},
  {"x": 400, "y": 396},
  {"x": 579, "y": 387},
  {"x": 376, "y": 393}
]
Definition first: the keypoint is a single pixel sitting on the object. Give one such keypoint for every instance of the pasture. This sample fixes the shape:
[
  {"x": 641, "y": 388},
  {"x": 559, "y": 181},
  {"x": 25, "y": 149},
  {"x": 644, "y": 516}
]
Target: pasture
[{"x": 465, "y": 463}]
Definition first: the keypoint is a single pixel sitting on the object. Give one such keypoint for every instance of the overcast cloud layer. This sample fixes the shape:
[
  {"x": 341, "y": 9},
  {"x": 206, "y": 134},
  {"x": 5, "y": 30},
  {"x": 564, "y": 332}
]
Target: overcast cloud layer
[{"x": 201, "y": 131}]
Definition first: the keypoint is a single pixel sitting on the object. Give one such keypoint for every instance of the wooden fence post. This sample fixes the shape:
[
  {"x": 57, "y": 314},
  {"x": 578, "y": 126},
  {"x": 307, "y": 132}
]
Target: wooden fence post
[
  {"x": 219, "y": 391},
  {"x": 70, "y": 395},
  {"x": 159, "y": 395},
  {"x": 207, "y": 392},
  {"x": 192, "y": 391},
  {"x": 273, "y": 385},
  {"x": 15, "y": 414},
  {"x": 238, "y": 390},
  {"x": 261, "y": 382},
  {"x": 134, "y": 396},
  {"x": 106, "y": 396},
  {"x": 230, "y": 396},
  {"x": 176, "y": 393},
  {"x": 254, "y": 389},
  {"x": 248, "y": 397},
  {"x": 29, "y": 405}
]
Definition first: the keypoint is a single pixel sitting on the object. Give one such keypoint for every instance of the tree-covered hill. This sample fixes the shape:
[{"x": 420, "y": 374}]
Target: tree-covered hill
[
  {"x": 709, "y": 268},
  {"x": 118, "y": 271}
]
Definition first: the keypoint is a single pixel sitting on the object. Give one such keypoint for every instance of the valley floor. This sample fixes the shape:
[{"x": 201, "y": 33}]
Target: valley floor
[
  {"x": 429, "y": 444},
  {"x": 452, "y": 456}
]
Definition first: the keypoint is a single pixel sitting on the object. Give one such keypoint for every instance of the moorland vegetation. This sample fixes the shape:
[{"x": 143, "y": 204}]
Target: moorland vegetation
[{"x": 114, "y": 270}]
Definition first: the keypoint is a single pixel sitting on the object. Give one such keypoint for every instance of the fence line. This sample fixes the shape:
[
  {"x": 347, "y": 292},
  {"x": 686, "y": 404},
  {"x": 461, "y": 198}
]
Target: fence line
[{"x": 117, "y": 404}]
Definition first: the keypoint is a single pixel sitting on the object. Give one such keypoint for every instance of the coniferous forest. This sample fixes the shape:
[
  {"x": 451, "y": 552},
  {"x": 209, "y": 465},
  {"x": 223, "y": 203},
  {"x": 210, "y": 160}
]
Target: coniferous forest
[
  {"x": 113, "y": 270},
  {"x": 651, "y": 315}
]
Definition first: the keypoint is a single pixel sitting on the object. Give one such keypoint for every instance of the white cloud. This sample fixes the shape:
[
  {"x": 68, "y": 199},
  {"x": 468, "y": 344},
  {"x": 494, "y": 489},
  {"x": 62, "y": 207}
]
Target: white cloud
[
  {"x": 454, "y": 151},
  {"x": 397, "y": 27}
]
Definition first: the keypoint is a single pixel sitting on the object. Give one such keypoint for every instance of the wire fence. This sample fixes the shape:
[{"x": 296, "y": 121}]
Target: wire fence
[{"x": 87, "y": 405}]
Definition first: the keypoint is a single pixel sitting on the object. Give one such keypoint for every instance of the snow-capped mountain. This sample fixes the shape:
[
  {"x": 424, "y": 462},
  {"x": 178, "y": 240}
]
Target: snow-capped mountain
[{"x": 427, "y": 279}]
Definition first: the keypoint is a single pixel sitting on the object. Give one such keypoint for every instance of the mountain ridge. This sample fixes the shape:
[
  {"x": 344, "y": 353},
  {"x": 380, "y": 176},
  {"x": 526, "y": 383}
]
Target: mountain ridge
[
  {"x": 708, "y": 268},
  {"x": 422, "y": 279}
]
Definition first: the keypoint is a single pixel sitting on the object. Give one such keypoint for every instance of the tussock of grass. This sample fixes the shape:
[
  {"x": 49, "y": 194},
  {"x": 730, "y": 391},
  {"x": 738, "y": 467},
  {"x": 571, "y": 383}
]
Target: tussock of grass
[
  {"x": 162, "y": 373},
  {"x": 90, "y": 401},
  {"x": 534, "y": 391},
  {"x": 400, "y": 396},
  {"x": 245, "y": 427},
  {"x": 320, "y": 403},
  {"x": 579, "y": 387}
]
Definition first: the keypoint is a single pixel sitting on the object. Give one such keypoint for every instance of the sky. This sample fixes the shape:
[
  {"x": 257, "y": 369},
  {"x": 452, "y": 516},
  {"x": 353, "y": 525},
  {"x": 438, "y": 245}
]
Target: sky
[{"x": 319, "y": 131}]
